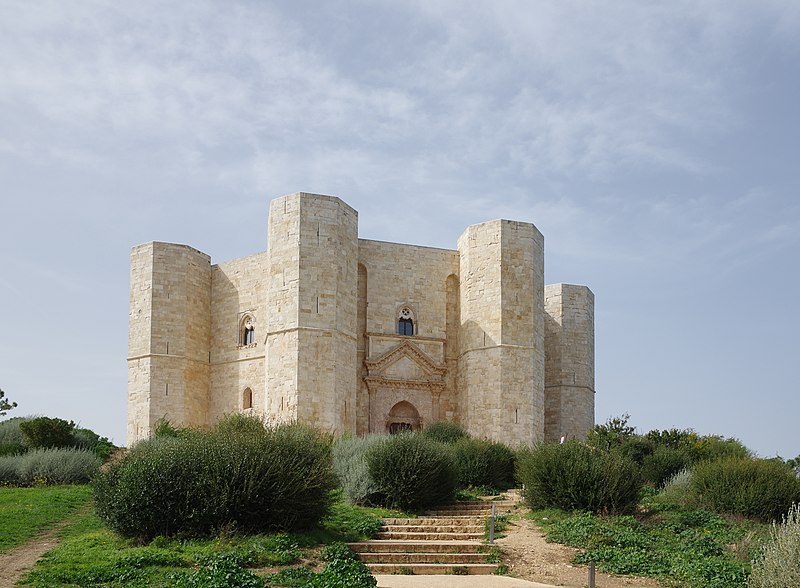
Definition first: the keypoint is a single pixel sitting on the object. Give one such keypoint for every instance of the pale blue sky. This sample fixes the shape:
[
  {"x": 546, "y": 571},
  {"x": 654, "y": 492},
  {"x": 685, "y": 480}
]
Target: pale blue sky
[{"x": 655, "y": 144}]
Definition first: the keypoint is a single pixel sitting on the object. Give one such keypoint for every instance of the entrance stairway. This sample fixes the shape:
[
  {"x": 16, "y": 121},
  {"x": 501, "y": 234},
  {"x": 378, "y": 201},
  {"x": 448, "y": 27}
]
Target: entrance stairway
[{"x": 447, "y": 540}]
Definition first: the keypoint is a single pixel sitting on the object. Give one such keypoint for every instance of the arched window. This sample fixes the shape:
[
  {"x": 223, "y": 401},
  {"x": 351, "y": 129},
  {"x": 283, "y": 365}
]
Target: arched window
[
  {"x": 247, "y": 330},
  {"x": 247, "y": 398},
  {"x": 405, "y": 322}
]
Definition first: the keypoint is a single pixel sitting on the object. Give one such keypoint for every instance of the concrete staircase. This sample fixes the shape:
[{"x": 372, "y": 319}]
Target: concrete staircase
[{"x": 447, "y": 540}]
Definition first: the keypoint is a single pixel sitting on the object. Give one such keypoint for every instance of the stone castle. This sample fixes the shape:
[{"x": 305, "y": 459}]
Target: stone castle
[{"x": 356, "y": 336}]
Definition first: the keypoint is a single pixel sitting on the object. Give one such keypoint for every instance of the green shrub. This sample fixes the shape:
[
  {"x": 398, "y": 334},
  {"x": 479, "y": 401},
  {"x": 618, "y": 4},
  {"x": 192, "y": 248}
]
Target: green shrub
[
  {"x": 678, "y": 491},
  {"x": 352, "y": 470},
  {"x": 49, "y": 466},
  {"x": 445, "y": 431},
  {"x": 45, "y": 432},
  {"x": 483, "y": 463},
  {"x": 411, "y": 472},
  {"x": 253, "y": 480},
  {"x": 222, "y": 572},
  {"x": 713, "y": 447},
  {"x": 663, "y": 463},
  {"x": 343, "y": 570},
  {"x": 572, "y": 476},
  {"x": 779, "y": 564},
  {"x": 760, "y": 488},
  {"x": 91, "y": 441},
  {"x": 11, "y": 449}
]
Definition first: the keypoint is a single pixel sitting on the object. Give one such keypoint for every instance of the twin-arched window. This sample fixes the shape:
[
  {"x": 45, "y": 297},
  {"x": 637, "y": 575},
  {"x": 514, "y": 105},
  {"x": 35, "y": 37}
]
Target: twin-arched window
[
  {"x": 405, "y": 322},
  {"x": 247, "y": 330}
]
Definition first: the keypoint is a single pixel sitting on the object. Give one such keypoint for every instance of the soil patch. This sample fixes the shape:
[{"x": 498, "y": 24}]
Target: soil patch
[{"x": 15, "y": 563}]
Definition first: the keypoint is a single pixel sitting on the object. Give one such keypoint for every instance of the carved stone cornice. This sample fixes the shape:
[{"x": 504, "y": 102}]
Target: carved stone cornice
[{"x": 376, "y": 382}]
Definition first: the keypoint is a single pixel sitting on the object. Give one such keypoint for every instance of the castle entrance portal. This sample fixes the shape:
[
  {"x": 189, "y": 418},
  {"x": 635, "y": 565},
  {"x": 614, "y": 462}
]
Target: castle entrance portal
[{"x": 403, "y": 417}]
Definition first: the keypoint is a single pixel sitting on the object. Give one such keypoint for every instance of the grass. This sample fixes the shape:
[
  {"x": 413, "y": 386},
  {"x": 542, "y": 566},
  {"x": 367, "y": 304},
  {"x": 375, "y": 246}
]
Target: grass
[
  {"x": 89, "y": 554},
  {"x": 26, "y": 512},
  {"x": 691, "y": 548}
]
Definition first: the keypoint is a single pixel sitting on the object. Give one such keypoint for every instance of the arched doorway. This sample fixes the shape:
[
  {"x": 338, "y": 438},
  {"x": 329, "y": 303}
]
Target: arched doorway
[{"x": 403, "y": 417}]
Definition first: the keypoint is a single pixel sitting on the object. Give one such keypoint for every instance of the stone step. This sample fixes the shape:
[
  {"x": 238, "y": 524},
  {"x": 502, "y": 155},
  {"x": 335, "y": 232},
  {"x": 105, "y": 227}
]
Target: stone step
[
  {"x": 406, "y": 558},
  {"x": 428, "y": 536},
  {"x": 433, "y": 569},
  {"x": 441, "y": 528},
  {"x": 383, "y": 546},
  {"x": 435, "y": 521}
]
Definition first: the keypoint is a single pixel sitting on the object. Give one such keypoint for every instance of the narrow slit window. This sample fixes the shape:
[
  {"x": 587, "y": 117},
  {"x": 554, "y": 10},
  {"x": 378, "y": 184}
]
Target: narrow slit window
[{"x": 247, "y": 398}]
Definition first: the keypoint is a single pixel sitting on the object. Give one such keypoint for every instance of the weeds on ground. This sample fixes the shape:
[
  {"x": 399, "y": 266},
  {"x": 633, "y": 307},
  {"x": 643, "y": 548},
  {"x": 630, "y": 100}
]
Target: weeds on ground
[{"x": 690, "y": 547}]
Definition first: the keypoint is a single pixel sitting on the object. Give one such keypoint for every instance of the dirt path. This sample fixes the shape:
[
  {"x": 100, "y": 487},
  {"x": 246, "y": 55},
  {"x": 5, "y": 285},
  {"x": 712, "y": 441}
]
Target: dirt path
[
  {"x": 530, "y": 557},
  {"x": 15, "y": 563}
]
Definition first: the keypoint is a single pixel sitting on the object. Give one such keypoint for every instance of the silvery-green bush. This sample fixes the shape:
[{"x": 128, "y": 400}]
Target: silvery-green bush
[
  {"x": 779, "y": 565},
  {"x": 352, "y": 470},
  {"x": 49, "y": 466}
]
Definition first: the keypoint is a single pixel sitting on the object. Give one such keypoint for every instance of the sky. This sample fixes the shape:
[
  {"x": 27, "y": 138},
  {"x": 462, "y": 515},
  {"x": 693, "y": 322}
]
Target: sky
[{"x": 654, "y": 144}]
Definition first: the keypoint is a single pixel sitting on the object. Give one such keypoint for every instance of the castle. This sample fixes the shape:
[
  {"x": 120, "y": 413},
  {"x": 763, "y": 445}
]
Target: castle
[{"x": 356, "y": 336}]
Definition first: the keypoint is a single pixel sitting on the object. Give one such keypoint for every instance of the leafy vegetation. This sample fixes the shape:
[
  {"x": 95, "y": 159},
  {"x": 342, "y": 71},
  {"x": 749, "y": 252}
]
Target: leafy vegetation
[
  {"x": 573, "y": 476},
  {"x": 5, "y": 404},
  {"x": 778, "y": 565},
  {"x": 49, "y": 466},
  {"x": 445, "y": 431},
  {"x": 483, "y": 463},
  {"x": 21, "y": 434},
  {"x": 694, "y": 548},
  {"x": 411, "y": 472},
  {"x": 352, "y": 469},
  {"x": 90, "y": 554},
  {"x": 241, "y": 475},
  {"x": 761, "y": 488},
  {"x": 25, "y": 512}
]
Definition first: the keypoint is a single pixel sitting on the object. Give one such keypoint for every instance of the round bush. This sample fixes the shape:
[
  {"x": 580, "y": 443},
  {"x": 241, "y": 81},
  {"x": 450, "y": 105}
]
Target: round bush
[
  {"x": 760, "y": 488},
  {"x": 411, "y": 472},
  {"x": 483, "y": 463},
  {"x": 572, "y": 476},
  {"x": 445, "y": 431},
  {"x": 252, "y": 479}
]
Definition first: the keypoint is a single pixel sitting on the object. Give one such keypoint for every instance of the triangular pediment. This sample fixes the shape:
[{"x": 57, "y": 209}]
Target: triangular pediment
[{"x": 406, "y": 361}]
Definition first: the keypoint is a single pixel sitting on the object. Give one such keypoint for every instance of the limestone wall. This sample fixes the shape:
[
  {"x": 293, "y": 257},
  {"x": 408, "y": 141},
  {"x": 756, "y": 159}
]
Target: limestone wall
[
  {"x": 311, "y": 308},
  {"x": 238, "y": 287},
  {"x": 397, "y": 275},
  {"x": 169, "y": 337},
  {"x": 569, "y": 367},
  {"x": 501, "y": 364}
]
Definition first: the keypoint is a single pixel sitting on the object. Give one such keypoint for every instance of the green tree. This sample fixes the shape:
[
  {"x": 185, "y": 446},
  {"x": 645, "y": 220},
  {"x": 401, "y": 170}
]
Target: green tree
[
  {"x": 613, "y": 433},
  {"x": 5, "y": 405},
  {"x": 46, "y": 432}
]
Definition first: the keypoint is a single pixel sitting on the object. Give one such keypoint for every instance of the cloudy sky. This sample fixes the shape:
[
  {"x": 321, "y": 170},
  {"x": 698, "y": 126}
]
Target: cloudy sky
[{"x": 655, "y": 144}]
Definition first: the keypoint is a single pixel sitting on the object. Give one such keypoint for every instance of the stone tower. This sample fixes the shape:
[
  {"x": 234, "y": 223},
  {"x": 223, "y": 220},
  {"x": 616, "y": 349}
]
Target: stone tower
[
  {"x": 168, "y": 338},
  {"x": 311, "y": 312},
  {"x": 501, "y": 364},
  {"x": 569, "y": 366}
]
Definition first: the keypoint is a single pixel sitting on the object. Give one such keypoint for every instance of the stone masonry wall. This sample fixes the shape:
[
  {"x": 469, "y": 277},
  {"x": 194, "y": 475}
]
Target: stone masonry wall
[
  {"x": 168, "y": 362},
  {"x": 501, "y": 365},
  {"x": 569, "y": 364},
  {"x": 311, "y": 338},
  {"x": 237, "y": 287}
]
